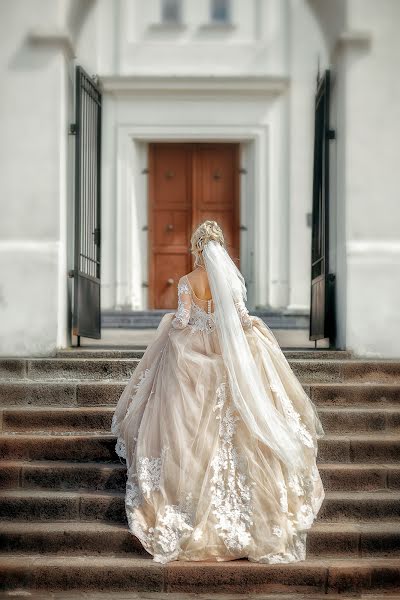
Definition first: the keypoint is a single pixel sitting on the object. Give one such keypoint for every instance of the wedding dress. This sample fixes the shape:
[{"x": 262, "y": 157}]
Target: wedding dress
[{"x": 219, "y": 437}]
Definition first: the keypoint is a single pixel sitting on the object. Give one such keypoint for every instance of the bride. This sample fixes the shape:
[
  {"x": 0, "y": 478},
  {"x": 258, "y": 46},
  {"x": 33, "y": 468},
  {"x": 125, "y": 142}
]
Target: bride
[{"x": 219, "y": 437}]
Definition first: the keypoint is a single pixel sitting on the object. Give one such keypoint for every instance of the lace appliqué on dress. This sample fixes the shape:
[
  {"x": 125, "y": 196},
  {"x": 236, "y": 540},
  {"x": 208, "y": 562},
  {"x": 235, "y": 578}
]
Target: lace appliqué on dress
[
  {"x": 243, "y": 313},
  {"x": 182, "y": 315},
  {"x": 293, "y": 417},
  {"x": 230, "y": 492},
  {"x": 174, "y": 522},
  {"x": 174, "y": 526},
  {"x": 120, "y": 446},
  {"x": 190, "y": 313},
  {"x": 200, "y": 320},
  {"x": 149, "y": 472}
]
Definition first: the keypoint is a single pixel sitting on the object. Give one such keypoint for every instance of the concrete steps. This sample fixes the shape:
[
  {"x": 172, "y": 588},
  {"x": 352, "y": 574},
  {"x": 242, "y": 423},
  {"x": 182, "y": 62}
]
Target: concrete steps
[
  {"x": 142, "y": 574},
  {"x": 90, "y": 446},
  {"x": 111, "y": 595},
  {"x": 308, "y": 371},
  {"x": 150, "y": 319},
  {"x": 99, "y": 393},
  {"x": 62, "y": 515},
  {"x": 109, "y": 506},
  {"x": 60, "y": 475},
  {"x": 64, "y": 475},
  {"x": 344, "y": 419},
  {"x": 138, "y": 351},
  {"x": 352, "y": 540}
]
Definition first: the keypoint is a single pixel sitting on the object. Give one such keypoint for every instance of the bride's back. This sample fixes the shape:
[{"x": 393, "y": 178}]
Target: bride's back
[{"x": 198, "y": 280}]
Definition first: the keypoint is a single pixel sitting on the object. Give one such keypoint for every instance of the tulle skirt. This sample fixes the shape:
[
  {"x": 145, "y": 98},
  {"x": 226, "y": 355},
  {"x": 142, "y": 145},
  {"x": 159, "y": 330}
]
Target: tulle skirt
[{"x": 200, "y": 485}]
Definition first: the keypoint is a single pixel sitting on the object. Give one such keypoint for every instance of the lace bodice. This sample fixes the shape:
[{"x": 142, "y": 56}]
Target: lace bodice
[{"x": 190, "y": 313}]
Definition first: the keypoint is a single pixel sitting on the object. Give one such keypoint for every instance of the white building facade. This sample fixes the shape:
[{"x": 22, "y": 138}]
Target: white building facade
[{"x": 236, "y": 72}]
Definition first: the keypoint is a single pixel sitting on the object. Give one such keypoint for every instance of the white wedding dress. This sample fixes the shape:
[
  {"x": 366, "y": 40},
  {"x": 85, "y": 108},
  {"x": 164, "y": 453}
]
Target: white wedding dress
[{"x": 201, "y": 483}]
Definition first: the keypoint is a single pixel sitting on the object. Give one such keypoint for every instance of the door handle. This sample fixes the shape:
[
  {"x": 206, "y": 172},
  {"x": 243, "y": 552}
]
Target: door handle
[{"x": 170, "y": 281}]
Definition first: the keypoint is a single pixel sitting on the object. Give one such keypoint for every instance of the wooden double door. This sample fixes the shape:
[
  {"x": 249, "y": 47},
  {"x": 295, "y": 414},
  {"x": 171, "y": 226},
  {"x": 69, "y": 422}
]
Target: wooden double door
[{"x": 188, "y": 183}]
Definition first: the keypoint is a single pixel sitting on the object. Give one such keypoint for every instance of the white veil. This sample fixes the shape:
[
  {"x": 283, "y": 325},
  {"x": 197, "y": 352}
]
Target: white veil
[{"x": 246, "y": 386}]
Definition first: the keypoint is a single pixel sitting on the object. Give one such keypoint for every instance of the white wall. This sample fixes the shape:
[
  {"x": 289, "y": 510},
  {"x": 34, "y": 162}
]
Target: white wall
[
  {"x": 132, "y": 119},
  {"x": 164, "y": 82},
  {"x": 269, "y": 42},
  {"x": 36, "y": 49},
  {"x": 254, "y": 42},
  {"x": 31, "y": 108},
  {"x": 365, "y": 56},
  {"x": 373, "y": 184},
  {"x": 306, "y": 50}
]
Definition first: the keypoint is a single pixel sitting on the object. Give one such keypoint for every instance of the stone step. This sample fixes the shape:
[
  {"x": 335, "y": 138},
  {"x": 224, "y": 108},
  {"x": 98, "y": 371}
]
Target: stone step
[
  {"x": 353, "y": 394},
  {"x": 20, "y": 505},
  {"x": 308, "y": 371},
  {"x": 94, "y": 393},
  {"x": 63, "y": 475},
  {"x": 138, "y": 351},
  {"x": 57, "y": 419},
  {"x": 150, "y": 319},
  {"x": 81, "y": 595},
  {"x": 110, "y": 595},
  {"x": 29, "y": 505},
  {"x": 359, "y": 477},
  {"x": 347, "y": 371},
  {"x": 83, "y": 419},
  {"x": 89, "y": 573},
  {"x": 28, "y": 393},
  {"x": 83, "y": 447},
  {"x": 72, "y": 538},
  {"x": 53, "y": 369},
  {"x": 74, "y": 476},
  {"x": 360, "y": 419},
  {"x": 355, "y": 448},
  {"x": 131, "y": 352},
  {"x": 323, "y": 540},
  {"x": 374, "y": 447}
]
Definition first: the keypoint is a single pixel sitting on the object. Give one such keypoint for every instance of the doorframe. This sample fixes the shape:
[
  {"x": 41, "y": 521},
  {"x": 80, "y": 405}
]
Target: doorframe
[{"x": 260, "y": 219}]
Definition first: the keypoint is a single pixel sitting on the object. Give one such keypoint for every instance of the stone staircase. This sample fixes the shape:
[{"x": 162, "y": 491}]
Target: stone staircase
[{"x": 62, "y": 510}]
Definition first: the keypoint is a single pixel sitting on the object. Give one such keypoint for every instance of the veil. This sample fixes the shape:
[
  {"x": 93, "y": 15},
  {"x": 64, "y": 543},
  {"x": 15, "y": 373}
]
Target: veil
[{"x": 260, "y": 415}]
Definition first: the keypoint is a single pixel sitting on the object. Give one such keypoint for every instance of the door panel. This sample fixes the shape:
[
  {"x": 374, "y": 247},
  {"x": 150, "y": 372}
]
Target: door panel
[
  {"x": 169, "y": 268},
  {"x": 188, "y": 184},
  {"x": 216, "y": 189},
  {"x": 169, "y": 220},
  {"x": 322, "y": 313},
  {"x": 172, "y": 174},
  {"x": 170, "y": 228},
  {"x": 86, "y": 273}
]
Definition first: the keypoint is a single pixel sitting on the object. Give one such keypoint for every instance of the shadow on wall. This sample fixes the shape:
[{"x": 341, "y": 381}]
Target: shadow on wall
[{"x": 36, "y": 49}]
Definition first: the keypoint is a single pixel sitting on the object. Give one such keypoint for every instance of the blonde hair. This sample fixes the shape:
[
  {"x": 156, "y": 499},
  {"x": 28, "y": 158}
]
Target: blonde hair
[{"x": 206, "y": 231}]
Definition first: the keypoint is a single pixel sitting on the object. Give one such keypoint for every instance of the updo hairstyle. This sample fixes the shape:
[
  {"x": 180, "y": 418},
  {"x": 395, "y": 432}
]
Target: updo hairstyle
[{"x": 206, "y": 231}]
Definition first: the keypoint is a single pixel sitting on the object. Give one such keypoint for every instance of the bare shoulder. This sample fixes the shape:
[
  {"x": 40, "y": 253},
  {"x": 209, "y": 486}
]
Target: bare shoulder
[
  {"x": 197, "y": 275},
  {"x": 198, "y": 281}
]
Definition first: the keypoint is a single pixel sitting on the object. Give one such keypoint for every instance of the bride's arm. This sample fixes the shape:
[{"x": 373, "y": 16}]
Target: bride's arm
[
  {"x": 182, "y": 315},
  {"x": 243, "y": 313}
]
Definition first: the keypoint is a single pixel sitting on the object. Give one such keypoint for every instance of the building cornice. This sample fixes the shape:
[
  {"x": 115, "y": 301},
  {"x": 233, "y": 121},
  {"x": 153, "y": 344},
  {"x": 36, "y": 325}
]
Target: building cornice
[
  {"x": 121, "y": 84},
  {"x": 53, "y": 38},
  {"x": 353, "y": 39}
]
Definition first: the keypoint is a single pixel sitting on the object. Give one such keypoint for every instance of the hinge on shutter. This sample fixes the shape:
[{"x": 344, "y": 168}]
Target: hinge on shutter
[
  {"x": 72, "y": 129},
  {"x": 96, "y": 234}
]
